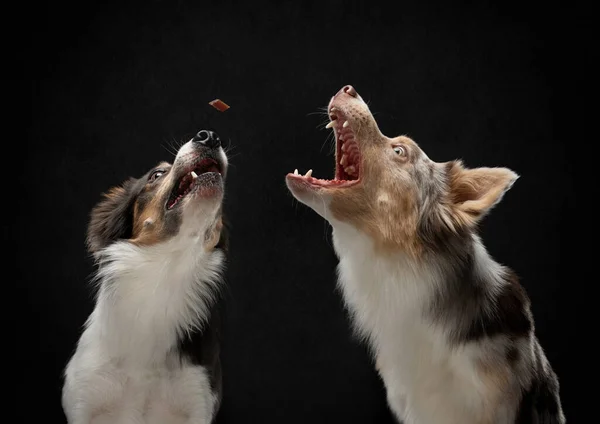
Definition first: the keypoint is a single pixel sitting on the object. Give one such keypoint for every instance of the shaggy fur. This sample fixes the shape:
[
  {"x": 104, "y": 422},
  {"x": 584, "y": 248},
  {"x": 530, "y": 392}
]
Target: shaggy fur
[
  {"x": 450, "y": 328},
  {"x": 149, "y": 352}
]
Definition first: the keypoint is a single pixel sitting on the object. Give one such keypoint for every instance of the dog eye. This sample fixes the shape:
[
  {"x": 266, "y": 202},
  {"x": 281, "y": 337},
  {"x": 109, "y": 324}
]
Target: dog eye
[
  {"x": 155, "y": 175},
  {"x": 399, "y": 150}
]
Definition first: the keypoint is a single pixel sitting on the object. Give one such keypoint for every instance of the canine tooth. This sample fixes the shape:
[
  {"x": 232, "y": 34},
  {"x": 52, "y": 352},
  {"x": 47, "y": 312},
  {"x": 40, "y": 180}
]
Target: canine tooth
[
  {"x": 331, "y": 124},
  {"x": 344, "y": 160},
  {"x": 308, "y": 173},
  {"x": 296, "y": 172},
  {"x": 345, "y": 124},
  {"x": 194, "y": 175},
  {"x": 350, "y": 170}
]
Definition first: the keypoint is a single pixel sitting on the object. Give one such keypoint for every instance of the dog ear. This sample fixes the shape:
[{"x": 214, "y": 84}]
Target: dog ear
[
  {"x": 474, "y": 192},
  {"x": 111, "y": 219}
]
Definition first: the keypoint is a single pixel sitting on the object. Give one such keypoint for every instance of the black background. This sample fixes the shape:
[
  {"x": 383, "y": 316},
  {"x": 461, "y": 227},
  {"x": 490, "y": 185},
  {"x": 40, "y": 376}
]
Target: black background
[{"x": 114, "y": 86}]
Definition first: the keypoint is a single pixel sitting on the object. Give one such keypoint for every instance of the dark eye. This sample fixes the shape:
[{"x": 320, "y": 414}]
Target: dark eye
[
  {"x": 155, "y": 175},
  {"x": 400, "y": 150}
]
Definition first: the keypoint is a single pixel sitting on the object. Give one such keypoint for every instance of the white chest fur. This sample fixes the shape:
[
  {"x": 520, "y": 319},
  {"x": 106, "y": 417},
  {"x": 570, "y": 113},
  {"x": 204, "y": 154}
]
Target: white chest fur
[
  {"x": 124, "y": 369},
  {"x": 427, "y": 380}
]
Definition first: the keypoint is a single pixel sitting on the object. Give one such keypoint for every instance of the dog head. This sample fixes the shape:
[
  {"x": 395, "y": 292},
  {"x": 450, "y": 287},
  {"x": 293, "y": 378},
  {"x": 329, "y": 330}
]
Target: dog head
[
  {"x": 389, "y": 189},
  {"x": 182, "y": 199}
]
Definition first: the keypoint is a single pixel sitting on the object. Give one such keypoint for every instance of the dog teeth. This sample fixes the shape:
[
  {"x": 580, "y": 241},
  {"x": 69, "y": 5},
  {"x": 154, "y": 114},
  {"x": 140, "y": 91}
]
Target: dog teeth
[
  {"x": 345, "y": 124},
  {"x": 296, "y": 172},
  {"x": 344, "y": 160},
  {"x": 331, "y": 124},
  {"x": 341, "y": 137},
  {"x": 343, "y": 147},
  {"x": 308, "y": 173},
  {"x": 194, "y": 175}
]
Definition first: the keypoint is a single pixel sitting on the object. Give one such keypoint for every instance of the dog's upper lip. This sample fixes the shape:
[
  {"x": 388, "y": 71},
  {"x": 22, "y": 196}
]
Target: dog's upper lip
[
  {"x": 203, "y": 165},
  {"x": 199, "y": 165},
  {"x": 333, "y": 107}
]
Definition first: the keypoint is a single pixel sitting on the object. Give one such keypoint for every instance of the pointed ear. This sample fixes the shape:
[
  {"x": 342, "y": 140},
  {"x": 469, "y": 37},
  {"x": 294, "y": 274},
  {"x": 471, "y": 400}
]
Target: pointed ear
[
  {"x": 111, "y": 219},
  {"x": 474, "y": 192}
]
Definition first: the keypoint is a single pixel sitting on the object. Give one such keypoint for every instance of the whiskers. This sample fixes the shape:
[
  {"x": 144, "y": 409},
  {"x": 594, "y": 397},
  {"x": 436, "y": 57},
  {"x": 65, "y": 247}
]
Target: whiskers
[
  {"x": 373, "y": 112},
  {"x": 322, "y": 111},
  {"x": 172, "y": 146},
  {"x": 230, "y": 152}
]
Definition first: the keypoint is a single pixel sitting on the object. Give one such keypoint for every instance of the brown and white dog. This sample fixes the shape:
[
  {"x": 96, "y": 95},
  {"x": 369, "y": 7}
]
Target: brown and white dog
[
  {"x": 150, "y": 349},
  {"x": 450, "y": 328}
]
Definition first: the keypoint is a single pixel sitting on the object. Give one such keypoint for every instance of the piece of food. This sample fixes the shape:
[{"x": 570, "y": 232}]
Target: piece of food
[{"x": 219, "y": 104}]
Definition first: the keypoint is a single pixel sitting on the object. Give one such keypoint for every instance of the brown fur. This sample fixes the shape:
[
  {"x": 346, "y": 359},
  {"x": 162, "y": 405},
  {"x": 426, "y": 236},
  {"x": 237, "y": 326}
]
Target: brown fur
[
  {"x": 502, "y": 391},
  {"x": 148, "y": 223},
  {"x": 134, "y": 211},
  {"x": 146, "y": 229},
  {"x": 395, "y": 191},
  {"x": 109, "y": 219},
  {"x": 473, "y": 192},
  {"x": 213, "y": 237}
]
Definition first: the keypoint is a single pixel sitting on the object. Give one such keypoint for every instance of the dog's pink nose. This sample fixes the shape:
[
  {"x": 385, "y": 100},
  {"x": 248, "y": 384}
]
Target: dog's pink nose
[{"x": 348, "y": 89}]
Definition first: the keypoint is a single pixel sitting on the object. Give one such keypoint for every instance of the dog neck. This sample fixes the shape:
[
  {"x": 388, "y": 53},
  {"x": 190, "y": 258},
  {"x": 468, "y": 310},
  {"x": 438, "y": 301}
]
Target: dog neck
[
  {"x": 391, "y": 287},
  {"x": 149, "y": 297}
]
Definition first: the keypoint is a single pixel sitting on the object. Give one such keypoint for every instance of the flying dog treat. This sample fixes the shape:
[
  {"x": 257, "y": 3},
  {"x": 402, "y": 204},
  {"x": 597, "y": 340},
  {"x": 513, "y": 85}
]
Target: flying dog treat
[{"x": 219, "y": 104}]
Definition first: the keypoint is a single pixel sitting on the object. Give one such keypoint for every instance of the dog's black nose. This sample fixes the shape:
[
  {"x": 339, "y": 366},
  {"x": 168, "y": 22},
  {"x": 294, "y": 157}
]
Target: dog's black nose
[{"x": 208, "y": 138}]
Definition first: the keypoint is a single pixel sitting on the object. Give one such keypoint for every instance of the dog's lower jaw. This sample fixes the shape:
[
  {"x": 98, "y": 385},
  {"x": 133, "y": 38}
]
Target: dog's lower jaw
[{"x": 315, "y": 198}]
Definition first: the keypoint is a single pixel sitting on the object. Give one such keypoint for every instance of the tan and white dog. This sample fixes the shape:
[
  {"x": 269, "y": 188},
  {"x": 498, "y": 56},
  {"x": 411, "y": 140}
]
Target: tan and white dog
[{"x": 450, "y": 328}]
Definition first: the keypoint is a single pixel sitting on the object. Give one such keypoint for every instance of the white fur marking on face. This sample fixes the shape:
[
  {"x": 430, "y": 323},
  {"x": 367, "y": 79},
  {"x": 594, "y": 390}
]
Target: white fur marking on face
[{"x": 383, "y": 198}]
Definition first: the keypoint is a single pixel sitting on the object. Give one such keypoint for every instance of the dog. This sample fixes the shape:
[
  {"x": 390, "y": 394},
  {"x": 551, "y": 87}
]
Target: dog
[
  {"x": 450, "y": 328},
  {"x": 149, "y": 352}
]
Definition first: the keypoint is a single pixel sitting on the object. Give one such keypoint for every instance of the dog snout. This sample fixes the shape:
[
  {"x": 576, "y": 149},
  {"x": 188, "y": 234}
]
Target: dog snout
[
  {"x": 347, "y": 89},
  {"x": 207, "y": 138},
  {"x": 345, "y": 92}
]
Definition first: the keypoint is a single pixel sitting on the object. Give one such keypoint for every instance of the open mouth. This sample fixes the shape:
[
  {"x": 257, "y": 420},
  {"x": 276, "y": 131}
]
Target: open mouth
[
  {"x": 193, "y": 177},
  {"x": 347, "y": 154}
]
